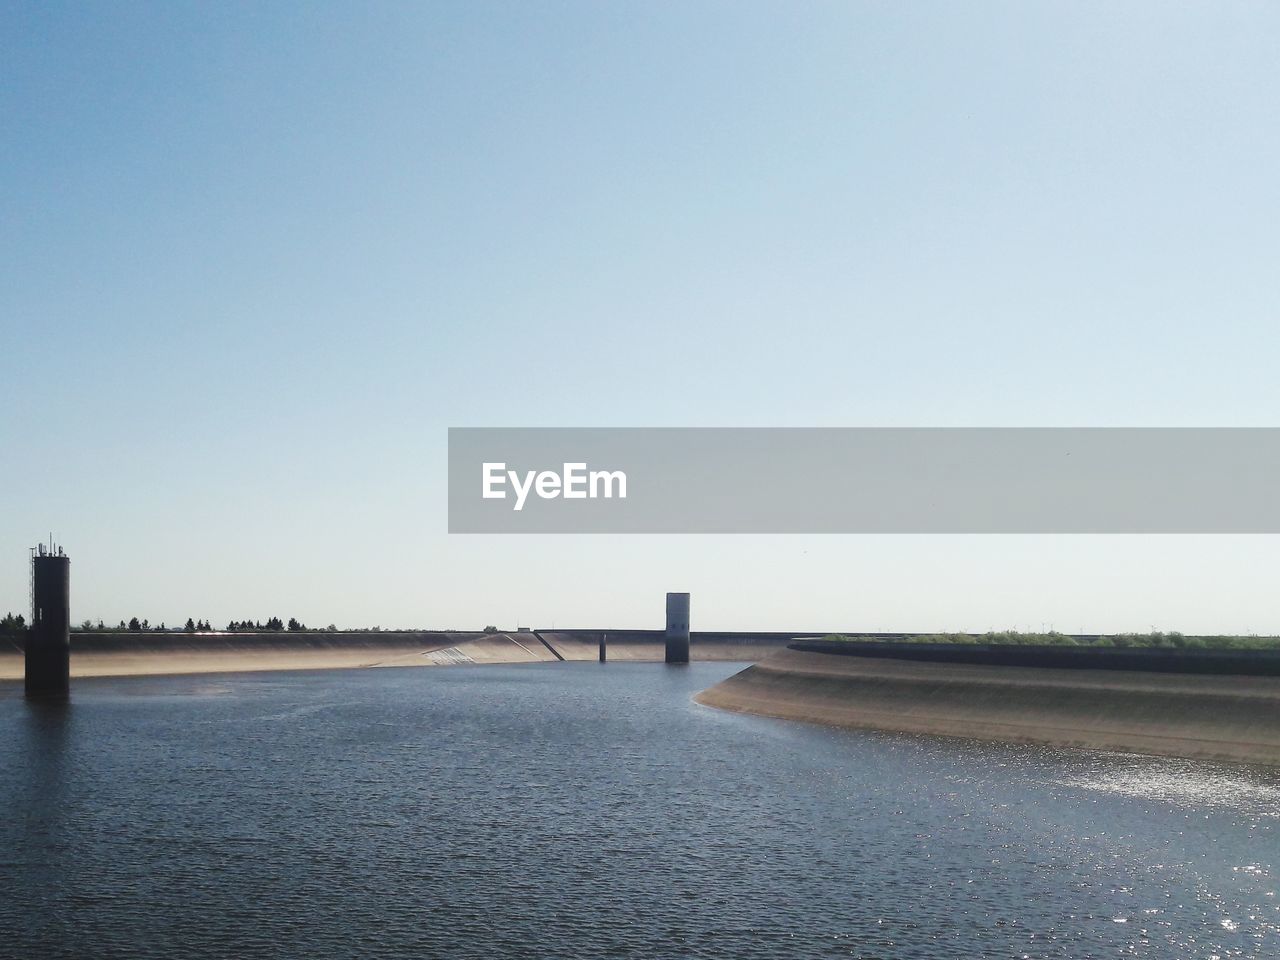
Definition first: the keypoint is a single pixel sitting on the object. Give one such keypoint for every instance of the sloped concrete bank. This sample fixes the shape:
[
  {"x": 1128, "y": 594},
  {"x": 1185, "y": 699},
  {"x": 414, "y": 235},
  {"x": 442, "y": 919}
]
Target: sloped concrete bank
[
  {"x": 1172, "y": 703},
  {"x": 114, "y": 654},
  {"x": 650, "y": 645},
  {"x": 155, "y": 654}
]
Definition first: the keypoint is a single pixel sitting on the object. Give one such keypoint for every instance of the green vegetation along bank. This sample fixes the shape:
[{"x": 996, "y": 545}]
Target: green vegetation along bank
[{"x": 1171, "y": 640}]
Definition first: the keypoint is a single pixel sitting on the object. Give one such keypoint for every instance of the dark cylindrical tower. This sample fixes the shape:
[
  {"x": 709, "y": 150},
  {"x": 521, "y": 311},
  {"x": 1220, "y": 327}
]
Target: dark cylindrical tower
[
  {"x": 604, "y": 638},
  {"x": 48, "y": 658},
  {"x": 677, "y": 628}
]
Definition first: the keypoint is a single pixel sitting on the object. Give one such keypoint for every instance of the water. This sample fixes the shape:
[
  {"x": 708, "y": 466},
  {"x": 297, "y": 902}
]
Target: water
[{"x": 580, "y": 810}]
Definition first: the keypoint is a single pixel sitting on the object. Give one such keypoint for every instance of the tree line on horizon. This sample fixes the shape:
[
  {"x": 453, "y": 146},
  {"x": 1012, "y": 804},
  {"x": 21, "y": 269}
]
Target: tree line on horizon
[
  {"x": 14, "y": 625},
  {"x": 17, "y": 623},
  {"x": 194, "y": 626}
]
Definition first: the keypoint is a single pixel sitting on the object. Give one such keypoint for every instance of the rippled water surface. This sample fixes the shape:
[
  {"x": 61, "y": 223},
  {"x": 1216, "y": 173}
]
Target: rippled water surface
[{"x": 580, "y": 810}]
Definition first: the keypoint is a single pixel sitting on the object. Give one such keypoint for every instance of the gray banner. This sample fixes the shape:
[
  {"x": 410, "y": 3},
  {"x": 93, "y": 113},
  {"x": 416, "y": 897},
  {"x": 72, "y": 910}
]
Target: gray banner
[{"x": 864, "y": 480}]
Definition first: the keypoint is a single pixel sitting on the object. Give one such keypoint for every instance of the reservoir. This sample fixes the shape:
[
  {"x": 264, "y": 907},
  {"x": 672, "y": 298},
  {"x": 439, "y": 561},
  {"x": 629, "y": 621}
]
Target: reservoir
[{"x": 580, "y": 809}]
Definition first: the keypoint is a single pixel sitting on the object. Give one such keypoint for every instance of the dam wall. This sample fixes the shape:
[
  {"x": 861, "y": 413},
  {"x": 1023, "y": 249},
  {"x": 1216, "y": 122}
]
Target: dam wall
[
  {"x": 650, "y": 645},
  {"x": 1155, "y": 659},
  {"x": 512, "y": 647},
  {"x": 115, "y": 653},
  {"x": 122, "y": 641},
  {"x": 1216, "y": 705}
]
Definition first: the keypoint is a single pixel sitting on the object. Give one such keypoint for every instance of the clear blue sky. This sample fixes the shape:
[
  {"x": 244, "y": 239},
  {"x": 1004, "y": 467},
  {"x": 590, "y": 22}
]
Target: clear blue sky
[{"x": 256, "y": 258}]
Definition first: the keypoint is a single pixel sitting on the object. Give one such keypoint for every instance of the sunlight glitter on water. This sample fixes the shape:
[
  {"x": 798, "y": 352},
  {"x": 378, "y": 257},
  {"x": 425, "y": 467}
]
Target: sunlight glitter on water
[{"x": 1254, "y": 791}]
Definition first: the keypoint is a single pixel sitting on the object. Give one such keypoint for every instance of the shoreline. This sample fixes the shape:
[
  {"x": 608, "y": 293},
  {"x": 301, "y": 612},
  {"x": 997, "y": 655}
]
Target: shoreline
[{"x": 1206, "y": 716}]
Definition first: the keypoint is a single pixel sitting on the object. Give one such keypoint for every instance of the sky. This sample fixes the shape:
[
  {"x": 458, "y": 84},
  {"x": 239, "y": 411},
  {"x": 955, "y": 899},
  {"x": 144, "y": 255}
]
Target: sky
[{"x": 256, "y": 259}]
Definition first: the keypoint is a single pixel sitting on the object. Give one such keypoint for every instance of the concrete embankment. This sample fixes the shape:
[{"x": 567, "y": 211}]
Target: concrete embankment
[
  {"x": 1173, "y": 703},
  {"x": 650, "y": 645},
  {"x": 494, "y": 648},
  {"x": 548, "y": 646},
  {"x": 113, "y": 654},
  {"x": 152, "y": 654}
]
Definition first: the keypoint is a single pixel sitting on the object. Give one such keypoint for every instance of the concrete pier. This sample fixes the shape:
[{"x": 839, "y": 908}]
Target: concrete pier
[
  {"x": 677, "y": 635},
  {"x": 48, "y": 647}
]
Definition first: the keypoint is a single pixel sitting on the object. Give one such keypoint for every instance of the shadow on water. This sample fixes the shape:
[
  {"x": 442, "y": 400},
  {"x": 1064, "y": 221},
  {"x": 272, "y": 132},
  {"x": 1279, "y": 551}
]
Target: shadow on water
[{"x": 42, "y": 757}]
